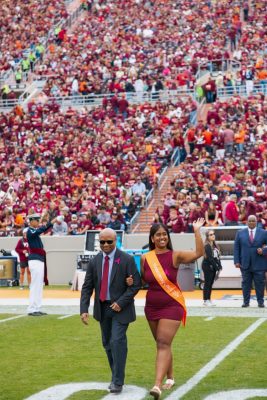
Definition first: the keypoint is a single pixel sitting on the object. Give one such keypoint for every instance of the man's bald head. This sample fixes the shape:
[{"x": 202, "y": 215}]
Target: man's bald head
[{"x": 107, "y": 240}]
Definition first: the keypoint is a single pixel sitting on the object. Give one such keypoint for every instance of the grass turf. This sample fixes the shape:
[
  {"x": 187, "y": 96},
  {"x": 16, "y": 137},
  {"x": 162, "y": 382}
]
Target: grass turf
[{"x": 37, "y": 353}]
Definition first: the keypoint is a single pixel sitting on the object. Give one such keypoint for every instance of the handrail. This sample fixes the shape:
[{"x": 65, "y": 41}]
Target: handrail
[
  {"x": 217, "y": 65},
  {"x": 132, "y": 97},
  {"x": 139, "y": 98}
]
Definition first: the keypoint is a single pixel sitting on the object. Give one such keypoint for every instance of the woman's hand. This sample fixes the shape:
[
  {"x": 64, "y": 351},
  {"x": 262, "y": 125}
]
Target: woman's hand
[
  {"x": 198, "y": 224},
  {"x": 129, "y": 280}
]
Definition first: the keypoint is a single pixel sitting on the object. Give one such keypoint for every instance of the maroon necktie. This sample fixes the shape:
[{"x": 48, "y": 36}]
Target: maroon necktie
[
  {"x": 104, "y": 282},
  {"x": 251, "y": 238}
]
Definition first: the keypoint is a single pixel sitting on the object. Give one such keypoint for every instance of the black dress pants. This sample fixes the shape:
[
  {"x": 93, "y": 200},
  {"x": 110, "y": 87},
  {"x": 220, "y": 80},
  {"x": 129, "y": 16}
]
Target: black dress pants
[
  {"x": 209, "y": 276},
  {"x": 249, "y": 275},
  {"x": 114, "y": 341}
]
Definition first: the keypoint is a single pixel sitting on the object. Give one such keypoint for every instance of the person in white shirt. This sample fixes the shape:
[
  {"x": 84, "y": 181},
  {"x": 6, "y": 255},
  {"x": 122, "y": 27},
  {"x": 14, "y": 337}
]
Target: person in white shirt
[
  {"x": 139, "y": 191},
  {"x": 60, "y": 227}
]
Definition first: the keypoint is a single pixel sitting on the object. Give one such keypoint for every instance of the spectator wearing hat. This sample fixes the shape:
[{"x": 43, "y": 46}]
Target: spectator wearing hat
[
  {"x": 37, "y": 263},
  {"x": 60, "y": 227},
  {"x": 22, "y": 248}
]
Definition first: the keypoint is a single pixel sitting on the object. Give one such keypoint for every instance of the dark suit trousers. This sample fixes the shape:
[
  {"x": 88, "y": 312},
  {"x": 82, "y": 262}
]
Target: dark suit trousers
[
  {"x": 114, "y": 341},
  {"x": 209, "y": 276},
  {"x": 248, "y": 275}
]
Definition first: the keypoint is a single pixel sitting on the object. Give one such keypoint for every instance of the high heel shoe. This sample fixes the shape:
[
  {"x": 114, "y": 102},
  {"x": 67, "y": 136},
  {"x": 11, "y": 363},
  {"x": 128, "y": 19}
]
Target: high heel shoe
[
  {"x": 155, "y": 392},
  {"x": 170, "y": 382}
]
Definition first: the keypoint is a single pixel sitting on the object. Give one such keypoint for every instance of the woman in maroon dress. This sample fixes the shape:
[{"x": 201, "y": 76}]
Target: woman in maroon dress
[{"x": 165, "y": 308}]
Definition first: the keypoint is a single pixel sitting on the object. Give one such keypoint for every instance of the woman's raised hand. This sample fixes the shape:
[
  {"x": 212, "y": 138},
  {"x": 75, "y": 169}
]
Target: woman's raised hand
[{"x": 198, "y": 223}]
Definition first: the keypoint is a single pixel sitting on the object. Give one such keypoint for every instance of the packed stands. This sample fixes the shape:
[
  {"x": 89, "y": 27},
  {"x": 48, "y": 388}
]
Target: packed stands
[
  {"x": 24, "y": 26},
  {"x": 83, "y": 162}
]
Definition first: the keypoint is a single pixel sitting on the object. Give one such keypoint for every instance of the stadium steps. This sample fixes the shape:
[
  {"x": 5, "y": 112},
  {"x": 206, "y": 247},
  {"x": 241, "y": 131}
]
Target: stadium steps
[{"x": 146, "y": 216}]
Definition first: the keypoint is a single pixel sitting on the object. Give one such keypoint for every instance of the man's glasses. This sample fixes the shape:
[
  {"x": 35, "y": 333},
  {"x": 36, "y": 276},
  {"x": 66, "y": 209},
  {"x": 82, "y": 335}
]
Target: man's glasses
[{"x": 105, "y": 241}]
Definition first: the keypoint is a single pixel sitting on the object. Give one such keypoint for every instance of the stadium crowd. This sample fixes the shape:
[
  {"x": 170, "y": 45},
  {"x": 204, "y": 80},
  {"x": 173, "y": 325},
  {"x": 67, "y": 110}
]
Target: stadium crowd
[
  {"x": 223, "y": 178},
  {"x": 24, "y": 26},
  {"x": 154, "y": 46},
  {"x": 70, "y": 159},
  {"x": 94, "y": 167}
]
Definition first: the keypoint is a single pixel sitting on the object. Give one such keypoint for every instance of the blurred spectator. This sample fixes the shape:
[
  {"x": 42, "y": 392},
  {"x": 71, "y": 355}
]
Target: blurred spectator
[
  {"x": 60, "y": 227},
  {"x": 139, "y": 192},
  {"x": 114, "y": 222},
  {"x": 22, "y": 248},
  {"x": 103, "y": 216},
  {"x": 211, "y": 215},
  {"x": 231, "y": 211},
  {"x": 175, "y": 222}
]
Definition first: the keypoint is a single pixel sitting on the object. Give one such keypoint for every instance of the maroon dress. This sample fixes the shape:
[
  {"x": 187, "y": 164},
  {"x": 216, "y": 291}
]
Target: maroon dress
[{"x": 159, "y": 305}]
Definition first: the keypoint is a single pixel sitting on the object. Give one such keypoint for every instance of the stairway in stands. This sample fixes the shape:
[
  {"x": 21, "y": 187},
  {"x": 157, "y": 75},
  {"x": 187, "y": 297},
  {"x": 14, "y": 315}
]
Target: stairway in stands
[{"x": 146, "y": 216}]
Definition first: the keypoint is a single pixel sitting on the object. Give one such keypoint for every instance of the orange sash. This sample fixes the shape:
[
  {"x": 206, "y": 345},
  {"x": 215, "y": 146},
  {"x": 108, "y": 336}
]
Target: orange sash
[{"x": 170, "y": 288}]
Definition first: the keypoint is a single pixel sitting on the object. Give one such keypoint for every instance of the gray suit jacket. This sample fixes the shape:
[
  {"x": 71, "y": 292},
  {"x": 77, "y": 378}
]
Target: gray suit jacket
[{"x": 123, "y": 266}]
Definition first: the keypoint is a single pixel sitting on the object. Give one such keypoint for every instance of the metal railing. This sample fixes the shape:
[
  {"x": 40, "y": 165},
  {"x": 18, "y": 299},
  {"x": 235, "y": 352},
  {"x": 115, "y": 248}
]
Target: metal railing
[
  {"x": 242, "y": 90},
  {"x": 215, "y": 66},
  {"x": 93, "y": 100},
  {"x": 132, "y": 97}
]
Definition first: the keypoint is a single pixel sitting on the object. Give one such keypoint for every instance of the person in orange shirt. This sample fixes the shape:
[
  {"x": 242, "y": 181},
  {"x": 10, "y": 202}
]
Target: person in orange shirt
[
  {"x": 78, "y": 178},
  {"x": 83, "y": 87},
  {"x": 239, "y": 139},
  {"x": 208, "y": 141}
]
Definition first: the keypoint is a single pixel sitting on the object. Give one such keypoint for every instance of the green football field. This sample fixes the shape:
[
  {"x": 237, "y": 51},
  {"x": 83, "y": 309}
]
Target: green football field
[{"x": 211, "y": 355}]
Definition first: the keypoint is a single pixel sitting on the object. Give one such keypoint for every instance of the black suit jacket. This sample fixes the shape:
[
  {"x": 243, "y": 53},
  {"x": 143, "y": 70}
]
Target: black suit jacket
[{"x": 123, "y": 266}]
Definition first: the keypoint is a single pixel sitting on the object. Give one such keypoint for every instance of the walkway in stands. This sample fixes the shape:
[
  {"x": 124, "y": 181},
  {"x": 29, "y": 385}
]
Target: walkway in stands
[{"x": 146, "y": 216}]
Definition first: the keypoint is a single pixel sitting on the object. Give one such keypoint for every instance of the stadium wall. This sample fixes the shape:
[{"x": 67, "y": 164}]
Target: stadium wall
[{"x": 62, "y": 252}]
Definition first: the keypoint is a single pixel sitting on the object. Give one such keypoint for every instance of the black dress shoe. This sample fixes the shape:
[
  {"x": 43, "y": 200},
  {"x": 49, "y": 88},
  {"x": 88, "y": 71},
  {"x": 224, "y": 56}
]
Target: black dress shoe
[
  {"x": 42, "y": 313},
  {"x": 245, "y": 305},
  {"x": 261, "y": 305},
  {"x": 115, "y": 388},
  {"x": 35, "y": 314}
]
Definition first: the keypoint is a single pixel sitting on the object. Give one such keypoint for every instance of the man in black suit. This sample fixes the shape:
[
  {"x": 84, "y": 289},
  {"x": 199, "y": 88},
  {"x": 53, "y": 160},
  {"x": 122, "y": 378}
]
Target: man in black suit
[{"x": 114, "y": 301}]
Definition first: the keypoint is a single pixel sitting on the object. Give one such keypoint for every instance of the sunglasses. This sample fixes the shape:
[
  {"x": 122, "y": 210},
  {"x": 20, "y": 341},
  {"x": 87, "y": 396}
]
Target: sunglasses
[
  {"x": 106, "y": 241},
  {"x": 211, "y": 234}
]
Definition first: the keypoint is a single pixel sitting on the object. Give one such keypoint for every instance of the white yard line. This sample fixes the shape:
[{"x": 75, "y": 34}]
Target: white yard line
[
  {"x": 10, "y": 319},
  {"x": 62, "y": 392},
  {"x": 65, "y": 316},
  {"x": 209, "y": 319},
  {"x": 192, "y": 382}
]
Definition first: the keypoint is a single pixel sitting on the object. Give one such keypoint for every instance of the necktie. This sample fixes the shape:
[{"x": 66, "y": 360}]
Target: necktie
[
  {"x": 251, "y": 238},
  {"x": 104, "y": 282}
]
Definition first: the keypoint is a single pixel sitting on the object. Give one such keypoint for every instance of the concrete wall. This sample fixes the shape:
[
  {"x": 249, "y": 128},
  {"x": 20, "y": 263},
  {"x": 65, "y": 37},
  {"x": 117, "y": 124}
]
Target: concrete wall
[{"x": 62, "y": 252}]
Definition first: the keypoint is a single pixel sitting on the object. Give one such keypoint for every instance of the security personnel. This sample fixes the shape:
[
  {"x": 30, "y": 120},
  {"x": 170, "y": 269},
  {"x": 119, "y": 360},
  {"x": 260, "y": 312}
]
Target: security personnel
[
  {"x": 18, "y": 76},
  {"x": 36, "y": 261}
]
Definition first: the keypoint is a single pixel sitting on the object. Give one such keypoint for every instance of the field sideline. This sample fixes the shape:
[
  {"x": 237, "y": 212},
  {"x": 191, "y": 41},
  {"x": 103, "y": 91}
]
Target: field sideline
[{"x": 213, "y": 354}]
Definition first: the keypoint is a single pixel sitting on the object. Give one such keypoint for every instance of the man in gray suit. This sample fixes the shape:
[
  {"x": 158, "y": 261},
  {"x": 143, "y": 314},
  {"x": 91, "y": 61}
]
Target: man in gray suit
[
  {"x": 249, "y": 255},
  {"x": 114, "y": 301}
]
